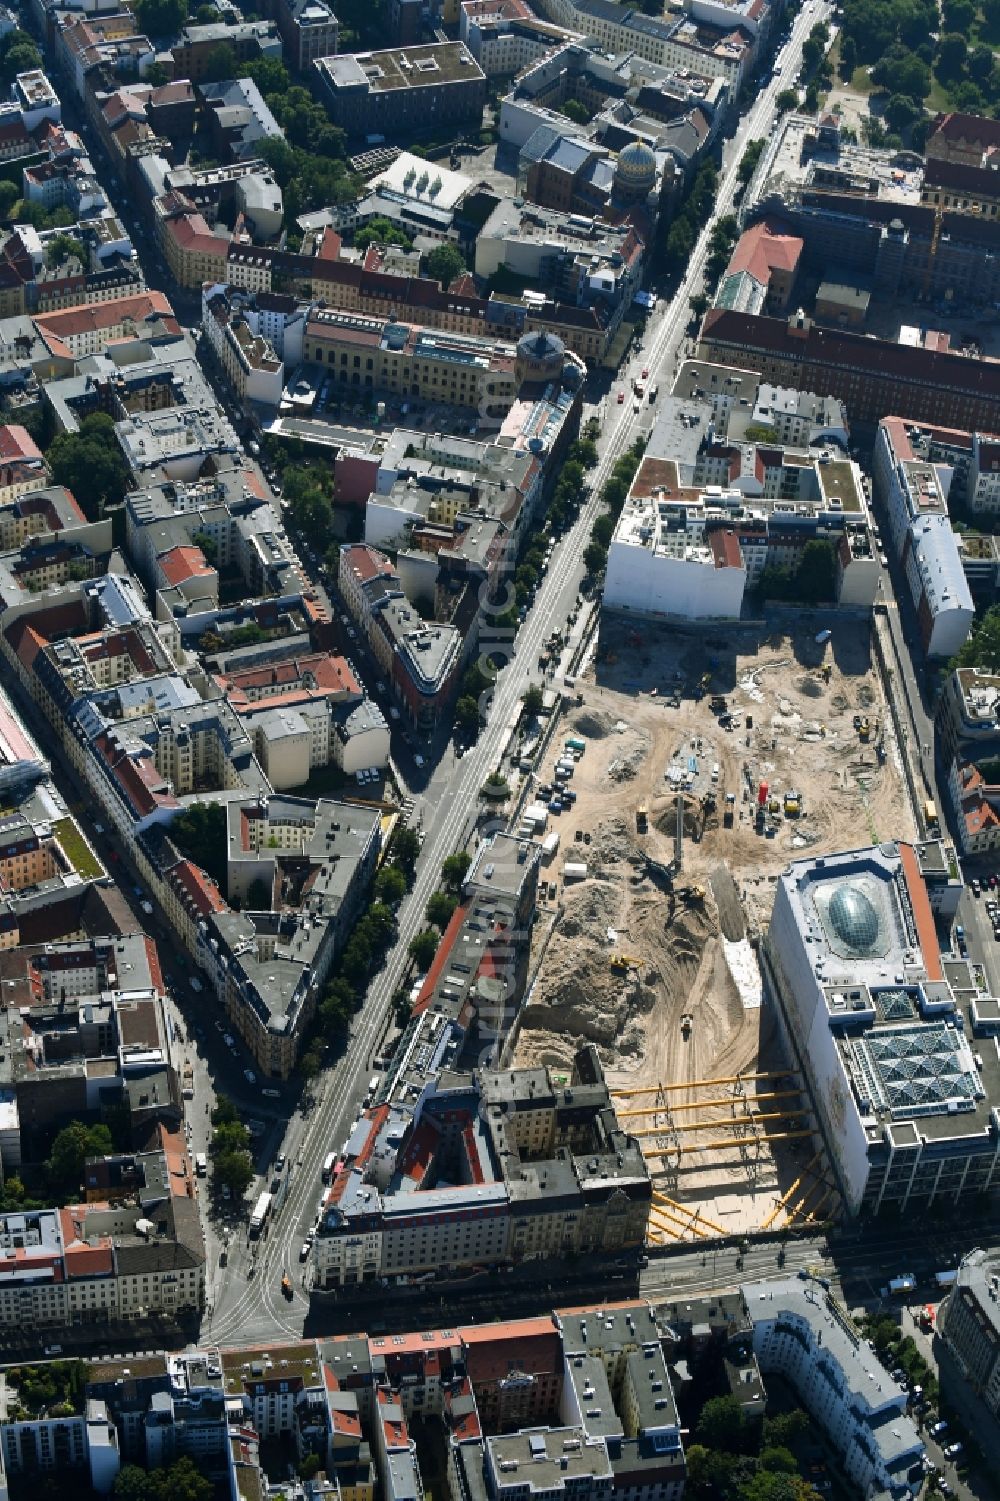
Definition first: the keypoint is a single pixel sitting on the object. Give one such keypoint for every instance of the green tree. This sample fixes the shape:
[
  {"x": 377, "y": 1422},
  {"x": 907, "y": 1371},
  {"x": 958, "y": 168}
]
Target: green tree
[
  {"x": 90, "y": 463},
  {"x": 952, "y": 51},
  {"x": 439, "y": 909},
  {"x": 786, "y": 100},
  {"x": 64, "y": 247},
  {"x": 390, "y": 885},
  {"x": 748, "y": 161},
  {"x": 8, "y": 197},
  {"x": 575, "y": 111},
  {"x": 309, "y": 1466},
  {"x": 279, "y": 156},
  {"x": 406, "y": 848},
  {"x": 722, "y": 1425},
  {"x": 991, "y": 14},
  {"x": 161, "y": 18},
  {"x": 220, "y": 64},
  {"x": 848, "y": 58},
  {"x": 224, "y": 1112},
  {"x": 467, "y": 716},
  {"x": 777, "y": 1457},
  {"x": 817, "y": 571},
  {"x": 958, "y": 15},
  {"x": 381, "y": 231},
  {"x": 767, "y": 1485},
  {"x": 423, "y": 947},
  {"x": 533, "y": 700},
  {"x": 812, "y": 53},
  {"x": 230, "y": 1136},
  {"x": 200, "y": 834},
  {"x": 234, "y": 1170},
  {"x": 72, "y": 1146},
  {"x": 901, "y": 111},
  {"x": 902, "y": 72},
  {"x": 594, "y": 557},
  {"x": 444, "y": 264},
  {"x": 208, "y": 545},
  {"x": 131, "y": 1484},
  {"x": 311, "y": 1062},
  {"x": 981, "y": 62},
  {"x": 454, "y": 869},
  {"x": 156, "y": 75},
  {"x": 18, "y": 54},
  {"x": 270, "y": 75}
]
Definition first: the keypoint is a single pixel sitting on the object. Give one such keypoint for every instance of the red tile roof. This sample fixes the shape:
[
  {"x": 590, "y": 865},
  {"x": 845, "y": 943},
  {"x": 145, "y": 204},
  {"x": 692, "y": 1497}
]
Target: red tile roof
[{"x": 765, "y": 248}]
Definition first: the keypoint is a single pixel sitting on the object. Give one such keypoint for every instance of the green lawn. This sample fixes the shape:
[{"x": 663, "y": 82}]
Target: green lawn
[{"x": 77, "y": 850}]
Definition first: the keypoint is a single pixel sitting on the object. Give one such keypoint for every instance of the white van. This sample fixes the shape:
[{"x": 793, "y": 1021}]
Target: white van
[
  {"x": 201, "y": 1164},
  {"x": 715, "y": 772}
]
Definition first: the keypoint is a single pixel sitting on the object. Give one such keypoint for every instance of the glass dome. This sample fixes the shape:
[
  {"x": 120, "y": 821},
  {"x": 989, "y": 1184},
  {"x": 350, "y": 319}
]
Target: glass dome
[{"x": 854, "y": 918}]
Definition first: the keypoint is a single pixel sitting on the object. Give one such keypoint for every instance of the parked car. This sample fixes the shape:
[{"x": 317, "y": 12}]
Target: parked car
[
  {"x": 953, "y": 1451},
  {"x": 936, "y": 1429}
]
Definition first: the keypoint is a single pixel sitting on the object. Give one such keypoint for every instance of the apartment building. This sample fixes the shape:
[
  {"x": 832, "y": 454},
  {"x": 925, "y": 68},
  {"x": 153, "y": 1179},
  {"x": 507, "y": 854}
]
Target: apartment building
[
  {"x": 969, "y": 1323},
  {"x": 803, "y": 1335},
  {"x": 194, "y": 253},
  {"x": 421, "y": 658},
  {"x": 921, "y": 534},
  {"x": 249, "y": 40},
  {"x": 253, "y": 366},
  {"x": 498, "y": 1167},
  {"x": 433, "y": 86},
  {"x": 705, "y": 516},
  {"x": 309, "y": 30}
]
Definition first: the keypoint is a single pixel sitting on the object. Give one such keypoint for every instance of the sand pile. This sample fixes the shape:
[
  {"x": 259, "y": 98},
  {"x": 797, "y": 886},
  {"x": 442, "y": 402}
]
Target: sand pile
[{"x": 810, "y": 686}]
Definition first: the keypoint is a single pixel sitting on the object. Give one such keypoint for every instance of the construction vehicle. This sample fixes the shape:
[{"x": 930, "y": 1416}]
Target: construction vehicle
[
  {"x": 793, "y": 804},
  {"x": 686, "y": 1022},
  {"x": 286, "y": 1286},
  {"x": 827, "y": 671},
  {"x": 717, "y": 703},
  {"x": 865, "y": 731},
  {"x": 730, "y": 810},
  {"x": 694, "y": 895},
  {"x": 624, "y": 962},
  {"x": 641, "y": 819}
]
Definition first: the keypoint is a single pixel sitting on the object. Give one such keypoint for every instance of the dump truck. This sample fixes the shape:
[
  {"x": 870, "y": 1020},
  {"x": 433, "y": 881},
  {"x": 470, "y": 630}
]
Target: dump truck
[
  {"x": 729, "y": 812},
  {"x": 641, "y": 819},
  {"x": 793, "y": 804}
]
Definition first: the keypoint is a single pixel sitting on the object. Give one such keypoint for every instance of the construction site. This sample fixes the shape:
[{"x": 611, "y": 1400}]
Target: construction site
[{"x": 680, "y": 782}]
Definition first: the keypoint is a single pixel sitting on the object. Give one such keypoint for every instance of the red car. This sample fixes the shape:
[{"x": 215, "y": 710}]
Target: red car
[
  {"x": 621, "y": 398},
  {"x": 645, "y": 372}
]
